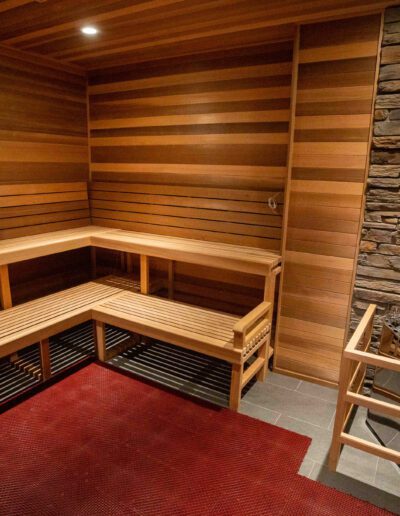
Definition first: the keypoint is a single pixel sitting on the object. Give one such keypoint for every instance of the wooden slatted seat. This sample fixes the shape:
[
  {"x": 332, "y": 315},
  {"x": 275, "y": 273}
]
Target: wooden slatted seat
[
  {"x": 233, "y": 257},
  {"x": 114, "y": 300},
  {"x": 213, "y": 333},
  {"x": 38, "y": 320}
]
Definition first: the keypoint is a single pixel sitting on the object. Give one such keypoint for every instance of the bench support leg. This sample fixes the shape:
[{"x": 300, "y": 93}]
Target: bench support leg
[
  {"x": 263, "y": 353},
  {"x": 93, "y": 263},
  {"x": 171, "y": 274},
  {"x": 236, "y": 386},
  {"x": 144, "y": 274},
  {"x": 5, "y": 291},
  {"x": 101, "y": 341},
  {"x": 129, "y": 263},
  {"x": 123, "y": 261},
  {"x": 269, "y": 295},
  {"x": 45, "y": 359}
]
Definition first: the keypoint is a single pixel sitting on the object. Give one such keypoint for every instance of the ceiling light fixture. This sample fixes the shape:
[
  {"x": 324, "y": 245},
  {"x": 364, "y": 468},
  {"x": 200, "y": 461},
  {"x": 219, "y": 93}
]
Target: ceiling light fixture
[{"x": 89, "y": 31}]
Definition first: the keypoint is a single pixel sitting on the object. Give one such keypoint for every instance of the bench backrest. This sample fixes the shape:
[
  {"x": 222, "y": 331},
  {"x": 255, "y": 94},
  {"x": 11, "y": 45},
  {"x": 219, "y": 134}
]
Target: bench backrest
[{"x": 29, "y": 209}]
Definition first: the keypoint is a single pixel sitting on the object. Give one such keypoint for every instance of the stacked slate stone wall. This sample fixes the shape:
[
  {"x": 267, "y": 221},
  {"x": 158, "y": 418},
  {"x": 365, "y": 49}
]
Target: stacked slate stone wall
[{"x": 378, "y": 271}]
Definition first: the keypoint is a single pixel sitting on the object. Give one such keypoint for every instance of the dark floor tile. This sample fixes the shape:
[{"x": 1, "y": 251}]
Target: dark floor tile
[
  {"x": 267, "y": 415},
  {"x": 321, "y": 438},
  {"x": 283, "y": 381},
  {"x": 306, "y": 467},
  {"x": 388, "y": 477},
  {"x": 318, "y": 391},
  {"x": 356, "y": 488},
  {"x": 292, "y": 403}
]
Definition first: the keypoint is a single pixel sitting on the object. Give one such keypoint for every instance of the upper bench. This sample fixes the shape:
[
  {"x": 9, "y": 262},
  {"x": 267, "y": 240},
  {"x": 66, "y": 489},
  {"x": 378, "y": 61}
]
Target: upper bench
[{"x": 238, "y": 258}]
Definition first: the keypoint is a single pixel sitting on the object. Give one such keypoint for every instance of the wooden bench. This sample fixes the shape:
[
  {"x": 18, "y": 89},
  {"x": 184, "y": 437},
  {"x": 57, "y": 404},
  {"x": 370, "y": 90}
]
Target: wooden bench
[
  {"x": 212, "y": 254},
  {"x": 217, "y": 334},
  {"x": 42, "y": 318},
  {"x": 114, "y": 300},
  {"x": 213, "y": 333}
]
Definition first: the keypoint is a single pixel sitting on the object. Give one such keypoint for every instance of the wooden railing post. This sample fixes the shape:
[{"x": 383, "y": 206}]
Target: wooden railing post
[
  {"x": 341, "y": 411},
  {"x": 348, "y": 374}
]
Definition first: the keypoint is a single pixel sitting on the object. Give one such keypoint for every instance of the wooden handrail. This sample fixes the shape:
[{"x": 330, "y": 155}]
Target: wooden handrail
[
  {"x": 251, "y": 318},
  {"x": 353, "y": 359},
  {"x": 361, "y": 328}
]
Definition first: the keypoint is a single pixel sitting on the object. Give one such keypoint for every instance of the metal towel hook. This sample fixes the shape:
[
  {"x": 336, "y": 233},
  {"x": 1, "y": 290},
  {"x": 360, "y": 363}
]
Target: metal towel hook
[{"x": 272, "y": 204}]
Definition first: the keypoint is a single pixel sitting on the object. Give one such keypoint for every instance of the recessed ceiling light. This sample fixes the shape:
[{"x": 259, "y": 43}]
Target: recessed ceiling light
[{"x": 89, "y": 31}]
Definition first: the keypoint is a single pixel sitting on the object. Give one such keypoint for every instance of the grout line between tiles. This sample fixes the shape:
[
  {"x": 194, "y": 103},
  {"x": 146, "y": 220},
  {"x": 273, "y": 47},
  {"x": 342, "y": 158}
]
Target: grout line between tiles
[
  {"x": 304, "y": 421},
  {"x": 264, "y": 408},
  {"x": 332, "y": 421},
  {"x": 279, "y": 386},
  {"x": 376, "y": 472},
  {"x": 392, "y": 439},
  {"x": 299, "y": 384}
]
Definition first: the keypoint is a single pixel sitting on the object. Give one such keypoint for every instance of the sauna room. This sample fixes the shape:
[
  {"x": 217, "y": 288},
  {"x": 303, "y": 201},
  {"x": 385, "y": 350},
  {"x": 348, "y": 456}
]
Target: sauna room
[{"x": 199, "y": 257}]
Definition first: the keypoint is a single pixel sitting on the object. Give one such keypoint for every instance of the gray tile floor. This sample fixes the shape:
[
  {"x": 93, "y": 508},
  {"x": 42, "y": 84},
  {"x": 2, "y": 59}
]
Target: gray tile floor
[{"x": 309, "y": 409}]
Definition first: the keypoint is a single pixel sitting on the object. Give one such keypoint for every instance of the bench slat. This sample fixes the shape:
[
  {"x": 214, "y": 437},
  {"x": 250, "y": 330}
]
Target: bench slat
[
  {"x": 27, "y": 323},
  {"x": 191, "y": 327},
  {"x": 212, "y": 254}
]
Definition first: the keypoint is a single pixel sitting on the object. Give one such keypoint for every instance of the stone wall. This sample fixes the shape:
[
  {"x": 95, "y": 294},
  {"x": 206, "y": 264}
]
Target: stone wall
[{"x": 378, "y": 270}]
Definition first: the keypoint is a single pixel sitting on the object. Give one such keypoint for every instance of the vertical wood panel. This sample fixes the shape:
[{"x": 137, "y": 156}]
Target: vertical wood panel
[{"x": 336, "y": 77}]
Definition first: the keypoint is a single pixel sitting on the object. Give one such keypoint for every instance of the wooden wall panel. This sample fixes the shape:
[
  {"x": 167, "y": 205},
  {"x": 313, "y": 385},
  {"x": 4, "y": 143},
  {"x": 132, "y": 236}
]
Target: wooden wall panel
[
  {"x": 43, "y": 121},
  {"x": 193, "y": 149},
  {"x": 43, "y": 146},
  {"x": 336, "y": 79},
  {"x": 43, "y": 165},
  {"x": 139, "y": 31},
  {"x": 29, "y": 209},
  {"x": 42, "y": 276}
]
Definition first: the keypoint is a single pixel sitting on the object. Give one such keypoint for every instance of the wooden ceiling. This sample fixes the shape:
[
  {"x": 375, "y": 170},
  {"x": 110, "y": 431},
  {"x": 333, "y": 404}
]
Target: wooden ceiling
[{"x": 143, "y": 30}]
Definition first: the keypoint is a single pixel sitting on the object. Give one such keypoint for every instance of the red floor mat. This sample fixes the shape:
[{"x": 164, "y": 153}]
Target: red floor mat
[{"x": 102, "y": 443}]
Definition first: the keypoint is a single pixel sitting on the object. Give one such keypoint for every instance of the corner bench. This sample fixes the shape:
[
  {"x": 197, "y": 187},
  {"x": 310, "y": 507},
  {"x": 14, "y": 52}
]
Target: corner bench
[
  {"x": 212, "y": 333},
  {"x": 42, "y": 318},
  {"x": 216, "y": 334},
  {"x": 250, "y": 260},
  {"x": 113, "y": 300}
]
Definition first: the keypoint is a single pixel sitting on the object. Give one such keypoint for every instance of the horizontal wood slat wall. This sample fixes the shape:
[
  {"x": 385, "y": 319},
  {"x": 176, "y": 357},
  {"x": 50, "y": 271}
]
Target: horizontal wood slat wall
[
  {"x": 42, "y": 276},
  {"x": 43, "y": 146},
  {"x": 193, "y": 149},
  {"x": 336, "y": 78},
  {"x": 28, "y": 209},
  {"x": 43, "y": 121}
]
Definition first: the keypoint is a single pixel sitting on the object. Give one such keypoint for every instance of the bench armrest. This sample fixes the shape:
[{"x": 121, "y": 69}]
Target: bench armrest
[{"x": 255, "y": 321}]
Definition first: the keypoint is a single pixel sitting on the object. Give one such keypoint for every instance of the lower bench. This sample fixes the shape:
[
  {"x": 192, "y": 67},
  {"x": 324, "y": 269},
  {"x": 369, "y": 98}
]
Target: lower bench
[
  {"x": 216, "y": 334},
  {"x": 113, "y": 300}
]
